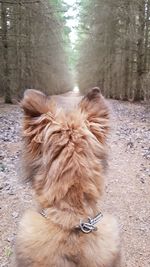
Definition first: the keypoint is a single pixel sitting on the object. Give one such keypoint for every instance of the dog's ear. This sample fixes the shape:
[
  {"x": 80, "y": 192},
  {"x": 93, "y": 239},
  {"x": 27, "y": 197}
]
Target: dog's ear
[
  {"x": 38, "y": 112},
  {"x": 34, "y": 103},
  {"x": 97, "y": 113}
]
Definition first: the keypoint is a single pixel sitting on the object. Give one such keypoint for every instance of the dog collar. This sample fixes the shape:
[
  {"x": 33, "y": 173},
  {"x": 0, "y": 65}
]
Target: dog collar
[
  {"x": 85, "y": 227},
  {"x": 89, "y": 226}
]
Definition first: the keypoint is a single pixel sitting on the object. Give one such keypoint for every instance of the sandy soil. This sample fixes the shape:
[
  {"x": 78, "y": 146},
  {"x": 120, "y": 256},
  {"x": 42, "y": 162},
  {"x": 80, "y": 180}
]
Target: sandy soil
[{"x": 127, "y": 193}]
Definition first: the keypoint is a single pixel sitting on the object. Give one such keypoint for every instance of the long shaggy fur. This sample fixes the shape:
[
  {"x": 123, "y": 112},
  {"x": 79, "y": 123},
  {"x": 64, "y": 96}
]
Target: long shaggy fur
[{"x": 65, "y": 155}]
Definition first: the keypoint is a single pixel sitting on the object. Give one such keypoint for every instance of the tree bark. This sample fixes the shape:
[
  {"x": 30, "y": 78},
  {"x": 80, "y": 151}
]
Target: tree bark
[
  {"x": 140, "y": 52},
  {"x": 6, "y": 71}
]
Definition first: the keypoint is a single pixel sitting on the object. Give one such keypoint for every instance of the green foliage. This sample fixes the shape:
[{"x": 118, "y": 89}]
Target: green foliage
[{"x": 8, "y": 252}]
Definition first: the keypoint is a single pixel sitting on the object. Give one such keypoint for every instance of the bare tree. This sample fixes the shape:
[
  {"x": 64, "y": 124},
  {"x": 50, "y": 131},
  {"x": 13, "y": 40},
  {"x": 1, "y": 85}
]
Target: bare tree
[
  {"x": 5, "y": 61},
  {"x": 33, "y": 53},
  {"x": 115, "y": 47}
]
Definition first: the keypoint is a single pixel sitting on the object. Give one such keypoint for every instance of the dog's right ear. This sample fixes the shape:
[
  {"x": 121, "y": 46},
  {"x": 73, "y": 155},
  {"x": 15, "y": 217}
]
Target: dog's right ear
[
  {"x": 96, "y": 111},
  {"x": 34, "y": 103}
]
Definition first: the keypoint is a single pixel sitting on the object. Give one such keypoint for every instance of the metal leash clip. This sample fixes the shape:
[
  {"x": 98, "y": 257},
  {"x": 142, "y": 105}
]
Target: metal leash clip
[
  {"x": 43, "y": 213},
  {"x": 87, "y": 227}
]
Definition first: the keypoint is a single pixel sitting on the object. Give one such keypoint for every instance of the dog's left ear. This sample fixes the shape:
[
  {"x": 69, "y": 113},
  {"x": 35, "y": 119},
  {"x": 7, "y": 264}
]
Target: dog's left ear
[
  {"x": 34, "y": 103},
  {"x": 97, "y": 113},
  {"x": 38, "y": 112}
]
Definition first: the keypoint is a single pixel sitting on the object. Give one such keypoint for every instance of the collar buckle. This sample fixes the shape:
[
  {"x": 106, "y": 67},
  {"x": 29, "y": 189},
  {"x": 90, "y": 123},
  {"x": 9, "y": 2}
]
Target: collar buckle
[{"x": 88, "y": 227}]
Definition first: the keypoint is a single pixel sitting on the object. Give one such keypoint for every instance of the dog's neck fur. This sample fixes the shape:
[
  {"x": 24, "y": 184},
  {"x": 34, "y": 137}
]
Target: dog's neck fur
[
  {"x": 67, "y": 217},
  {"x": 68, "y": 204}
]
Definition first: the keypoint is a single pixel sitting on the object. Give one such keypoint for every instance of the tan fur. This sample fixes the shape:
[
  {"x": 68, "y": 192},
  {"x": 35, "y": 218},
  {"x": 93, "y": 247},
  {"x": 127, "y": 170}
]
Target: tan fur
[{"x": 65, "y": 154}]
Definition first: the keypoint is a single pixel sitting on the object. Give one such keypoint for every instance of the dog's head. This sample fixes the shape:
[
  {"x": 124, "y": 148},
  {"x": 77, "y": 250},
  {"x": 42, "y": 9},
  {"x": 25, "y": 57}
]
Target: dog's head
[{"x": 65, "y": 152}]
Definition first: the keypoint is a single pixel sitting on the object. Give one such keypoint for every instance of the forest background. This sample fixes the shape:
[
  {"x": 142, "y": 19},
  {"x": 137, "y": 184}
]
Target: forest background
[{"x": 107, "y": 46}]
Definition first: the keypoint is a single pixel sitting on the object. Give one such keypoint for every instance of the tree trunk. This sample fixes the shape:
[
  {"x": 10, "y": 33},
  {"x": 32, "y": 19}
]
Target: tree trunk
[
  {"x": 146, "y": 45},
  {"x": 6, "y": 71},
  {"x": 19, "y": 47},
  {"x": 140, "y": 52},
  {"x": 127, "y": 54}
]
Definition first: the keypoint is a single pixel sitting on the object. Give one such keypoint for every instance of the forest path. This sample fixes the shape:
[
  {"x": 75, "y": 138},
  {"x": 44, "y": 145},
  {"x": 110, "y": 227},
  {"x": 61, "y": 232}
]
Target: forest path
[{"x": 127, "y": 193}]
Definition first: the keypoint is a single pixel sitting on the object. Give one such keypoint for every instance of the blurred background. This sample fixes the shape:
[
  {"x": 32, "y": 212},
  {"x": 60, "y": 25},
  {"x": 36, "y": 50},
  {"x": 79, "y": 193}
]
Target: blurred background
[{"x": 55, "y": 45}]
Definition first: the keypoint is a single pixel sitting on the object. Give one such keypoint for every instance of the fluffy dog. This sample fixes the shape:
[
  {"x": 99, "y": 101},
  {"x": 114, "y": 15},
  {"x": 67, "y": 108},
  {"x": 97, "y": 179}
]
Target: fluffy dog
[{"x": 65, "y": 154}]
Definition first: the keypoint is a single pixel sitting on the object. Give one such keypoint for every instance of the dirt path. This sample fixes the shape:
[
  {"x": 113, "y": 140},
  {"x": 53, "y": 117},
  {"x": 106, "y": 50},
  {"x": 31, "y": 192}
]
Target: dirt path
[{"x": 127, "y": 187}]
